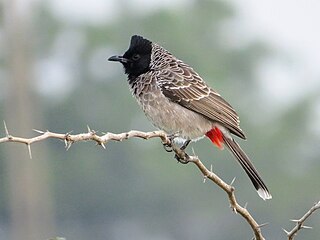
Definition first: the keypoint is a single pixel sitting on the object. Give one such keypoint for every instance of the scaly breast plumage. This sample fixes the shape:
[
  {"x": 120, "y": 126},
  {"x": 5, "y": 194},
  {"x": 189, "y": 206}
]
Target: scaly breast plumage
[{"x": 167, "y": 115}]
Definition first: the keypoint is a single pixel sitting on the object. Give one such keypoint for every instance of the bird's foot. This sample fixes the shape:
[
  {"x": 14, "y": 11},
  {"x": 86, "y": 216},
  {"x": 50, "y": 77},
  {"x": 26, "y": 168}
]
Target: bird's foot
[
  {"x": 182, "y": 159},
  {"x": 181, "y": 155},
  {"x": 167, "y": 147}
]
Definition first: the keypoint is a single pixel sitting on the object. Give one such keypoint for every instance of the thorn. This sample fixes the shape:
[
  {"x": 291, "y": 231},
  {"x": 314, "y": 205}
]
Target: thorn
[
  {"x": 211, "y": 168},
  {"x": 306, "y": 227},
  {"x": 69, "y": 143},
  {"x": 29, "y": 150},
  {"x": 233, "y": 209},
  {"x": 233, "y": 181},
  {"x": 93, "y": 132},
  {"x": 6, "y": 129},
  {"x": 193, "y": 152},
  {"x": 205, "y": 179},
  {"x": 295, "y": 220},
  {"x": 245, "y": 205},
  {"x": 100, "y": 143},
  {"x": 285, "y": 231},
  {"x": 67, "y": 134},
  {"x": 263, "y": 225},
  {"x": 38, "y": 131}
]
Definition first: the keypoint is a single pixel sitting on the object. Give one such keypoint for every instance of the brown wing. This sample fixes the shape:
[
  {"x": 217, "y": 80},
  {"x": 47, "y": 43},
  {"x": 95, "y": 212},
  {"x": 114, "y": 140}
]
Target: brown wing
[{"x": 181, "y": 84}]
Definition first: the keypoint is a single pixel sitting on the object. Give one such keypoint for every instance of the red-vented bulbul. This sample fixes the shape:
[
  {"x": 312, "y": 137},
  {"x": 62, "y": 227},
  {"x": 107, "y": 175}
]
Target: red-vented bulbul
[{"x": 177, "y": 100}]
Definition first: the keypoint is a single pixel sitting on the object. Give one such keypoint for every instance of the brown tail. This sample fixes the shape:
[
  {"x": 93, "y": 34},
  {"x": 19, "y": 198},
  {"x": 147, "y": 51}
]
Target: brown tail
[{"x": 248, "y": 167}]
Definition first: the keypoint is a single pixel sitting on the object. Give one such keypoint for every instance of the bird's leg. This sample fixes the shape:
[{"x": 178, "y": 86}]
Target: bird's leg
[{"x": 185, "y": 144}]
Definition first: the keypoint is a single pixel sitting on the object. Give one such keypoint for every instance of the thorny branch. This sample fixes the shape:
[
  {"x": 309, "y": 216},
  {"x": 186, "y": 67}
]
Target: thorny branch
[
  {"x": 228, "y": 188},
  {"x": 300, "y": 222},
  {"x": 91, "y": 135},
  {"x": 102, "y": 140}
]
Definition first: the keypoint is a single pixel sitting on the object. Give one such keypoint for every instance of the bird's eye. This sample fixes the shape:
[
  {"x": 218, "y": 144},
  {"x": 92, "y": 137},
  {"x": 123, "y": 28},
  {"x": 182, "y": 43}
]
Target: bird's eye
[{"x": 136, "y": 57}]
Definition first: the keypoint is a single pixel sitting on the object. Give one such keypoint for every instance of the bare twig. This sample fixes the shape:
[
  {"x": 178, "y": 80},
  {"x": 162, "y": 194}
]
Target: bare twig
[
  {"x": 300, "y": 222},
  {"x": 91, "y": 135}
]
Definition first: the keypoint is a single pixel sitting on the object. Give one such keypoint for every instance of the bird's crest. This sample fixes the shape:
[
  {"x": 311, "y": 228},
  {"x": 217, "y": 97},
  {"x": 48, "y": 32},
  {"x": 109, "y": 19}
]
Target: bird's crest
[{"x": 140, "y": 44}]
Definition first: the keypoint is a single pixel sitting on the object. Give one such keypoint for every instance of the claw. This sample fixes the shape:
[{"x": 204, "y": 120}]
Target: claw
[
  {"x": 182, "y": 160},
  {"x": 167, "y": 147}
]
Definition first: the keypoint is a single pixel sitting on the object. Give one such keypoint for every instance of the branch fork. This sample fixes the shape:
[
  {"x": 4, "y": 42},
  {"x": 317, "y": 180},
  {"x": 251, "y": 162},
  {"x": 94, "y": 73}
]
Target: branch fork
[{"x": 300, "y": 222}]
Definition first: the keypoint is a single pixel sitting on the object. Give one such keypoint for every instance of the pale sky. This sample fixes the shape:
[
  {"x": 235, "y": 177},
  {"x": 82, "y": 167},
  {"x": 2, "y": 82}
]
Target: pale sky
[{"x": 290, "y": 27}]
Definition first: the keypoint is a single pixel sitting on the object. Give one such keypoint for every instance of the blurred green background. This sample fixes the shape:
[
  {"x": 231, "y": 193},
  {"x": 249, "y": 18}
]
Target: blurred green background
[{"x": 262, "y": 56}]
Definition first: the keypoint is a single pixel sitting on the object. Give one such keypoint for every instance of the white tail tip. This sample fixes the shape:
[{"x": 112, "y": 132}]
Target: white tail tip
[{"x": 264, "y": 194}]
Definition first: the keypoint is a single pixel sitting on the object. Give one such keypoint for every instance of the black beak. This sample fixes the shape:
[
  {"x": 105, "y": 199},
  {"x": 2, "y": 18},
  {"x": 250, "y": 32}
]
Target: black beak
[{"x": 118, "y": 59}]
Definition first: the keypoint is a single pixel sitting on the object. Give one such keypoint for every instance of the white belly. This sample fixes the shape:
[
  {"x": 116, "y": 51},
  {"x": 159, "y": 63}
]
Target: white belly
[{"x": 173, "y": 118}]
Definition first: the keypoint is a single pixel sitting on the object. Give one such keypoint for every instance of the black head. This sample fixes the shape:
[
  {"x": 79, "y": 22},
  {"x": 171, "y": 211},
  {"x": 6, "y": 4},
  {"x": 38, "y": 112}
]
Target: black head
[{"x": 136, "y": 60}]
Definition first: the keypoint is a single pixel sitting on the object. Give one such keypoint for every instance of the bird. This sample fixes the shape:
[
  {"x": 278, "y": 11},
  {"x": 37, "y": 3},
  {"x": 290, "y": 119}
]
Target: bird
[{"x": 178, "y": 101}]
